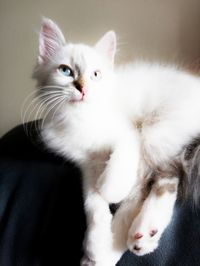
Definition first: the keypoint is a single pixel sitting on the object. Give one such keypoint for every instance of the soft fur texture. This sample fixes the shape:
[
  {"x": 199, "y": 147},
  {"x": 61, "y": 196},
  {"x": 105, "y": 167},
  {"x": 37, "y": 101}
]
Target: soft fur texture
[{"x": 125, "y": 128}]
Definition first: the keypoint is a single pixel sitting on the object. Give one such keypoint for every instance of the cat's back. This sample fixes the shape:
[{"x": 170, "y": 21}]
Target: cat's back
[
  {"x": 148, "y": 86},
  {"x": 163, "y": 104}
]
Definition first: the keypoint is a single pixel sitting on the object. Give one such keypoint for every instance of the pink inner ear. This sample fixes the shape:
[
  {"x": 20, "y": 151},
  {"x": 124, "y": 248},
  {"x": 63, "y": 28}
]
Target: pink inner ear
[
  {"x": 47, "y": 44},
  {"x": 41, "y": 49},
  {"x": 50, "y": 40},
  {"x": 107, "y": 45},
  {"x": 112, "y": 47}
]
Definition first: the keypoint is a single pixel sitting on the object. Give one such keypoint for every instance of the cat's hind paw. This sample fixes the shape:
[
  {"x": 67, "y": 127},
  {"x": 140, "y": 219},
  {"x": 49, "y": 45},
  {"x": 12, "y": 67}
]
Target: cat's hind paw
[
  {"x": 144, "y": 234},
  {"x": 143, "y": 242}
]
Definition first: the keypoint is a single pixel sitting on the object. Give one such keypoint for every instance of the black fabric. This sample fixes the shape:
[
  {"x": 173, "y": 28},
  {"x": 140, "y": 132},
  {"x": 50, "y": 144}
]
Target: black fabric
[{"x": 42, "y": 220}]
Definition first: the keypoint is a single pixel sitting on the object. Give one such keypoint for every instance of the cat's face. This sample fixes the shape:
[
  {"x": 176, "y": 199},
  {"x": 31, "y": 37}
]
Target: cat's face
[{"x": 72, "y": 73}]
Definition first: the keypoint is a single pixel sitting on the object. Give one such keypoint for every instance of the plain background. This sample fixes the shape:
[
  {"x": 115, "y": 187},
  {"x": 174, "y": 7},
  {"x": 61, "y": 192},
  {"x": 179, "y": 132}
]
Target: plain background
[{"x": 164, "y": 30}]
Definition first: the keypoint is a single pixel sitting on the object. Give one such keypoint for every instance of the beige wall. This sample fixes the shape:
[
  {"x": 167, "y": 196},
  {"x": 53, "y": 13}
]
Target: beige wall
[{"x": 168, "y": 30}]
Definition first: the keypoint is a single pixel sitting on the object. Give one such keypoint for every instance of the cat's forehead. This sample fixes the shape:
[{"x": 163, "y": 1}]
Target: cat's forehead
[{"x": 80, "y": 56}]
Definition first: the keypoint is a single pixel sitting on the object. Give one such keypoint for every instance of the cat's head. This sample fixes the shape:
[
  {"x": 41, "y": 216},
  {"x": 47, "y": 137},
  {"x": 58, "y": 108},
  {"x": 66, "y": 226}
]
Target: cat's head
[{"x": 72, "y": 72}]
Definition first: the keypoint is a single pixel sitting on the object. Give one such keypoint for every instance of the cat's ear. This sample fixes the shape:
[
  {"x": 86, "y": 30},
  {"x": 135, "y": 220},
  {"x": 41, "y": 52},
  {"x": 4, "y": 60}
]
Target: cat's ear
[
  {"x": 50, "y": 40},
  {"x": 107, "y": 45}
]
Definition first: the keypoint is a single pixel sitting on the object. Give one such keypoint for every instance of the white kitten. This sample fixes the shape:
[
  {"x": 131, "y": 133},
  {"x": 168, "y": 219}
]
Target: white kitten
[{"x": 123, "y": 128}]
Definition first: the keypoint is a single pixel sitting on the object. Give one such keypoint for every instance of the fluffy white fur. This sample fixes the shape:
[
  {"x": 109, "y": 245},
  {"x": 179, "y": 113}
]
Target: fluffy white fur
[{"x": 129, "y": 119}]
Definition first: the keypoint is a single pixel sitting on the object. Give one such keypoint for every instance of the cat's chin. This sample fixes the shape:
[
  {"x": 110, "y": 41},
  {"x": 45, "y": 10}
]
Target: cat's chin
[{"x": 78, "y": 99}]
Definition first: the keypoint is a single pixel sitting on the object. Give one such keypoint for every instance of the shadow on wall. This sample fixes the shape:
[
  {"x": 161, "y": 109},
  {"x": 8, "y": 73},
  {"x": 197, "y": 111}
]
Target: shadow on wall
[{"x": 189, "y": 34}]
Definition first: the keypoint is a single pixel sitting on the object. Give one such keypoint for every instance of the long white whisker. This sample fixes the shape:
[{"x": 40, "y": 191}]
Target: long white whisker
[
  {"x": 48, "y": 97},
  {"x": 24, "y": 118},
  {"x": 47, "y": 102},
  {"x": 27, "y": 113},
  {"x": 45, "y": 96},
  {"x": 42, "y": 102},
  {"x": 43, "y": 105},
  {"x": 59, "y": 105},
  {"x": 24, "y": 104},
  {"x": 35, "y": 99},
  {"x": 44, "y": 118},
  {"x": 51, "y": 87},
  {"x": 50, "y": 92},
  {"x": 40, "y": 111},
  {"x": 25, "y": 101}
]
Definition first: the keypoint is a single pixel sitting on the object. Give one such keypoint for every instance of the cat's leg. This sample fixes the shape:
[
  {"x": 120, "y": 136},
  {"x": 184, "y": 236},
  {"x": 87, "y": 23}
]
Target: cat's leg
[
  {"x": 120, "y": 174},
  {"x": 98, "y": 238},
  {"x": 122, "y": 221},
  {"x": 154, "y": 216}
]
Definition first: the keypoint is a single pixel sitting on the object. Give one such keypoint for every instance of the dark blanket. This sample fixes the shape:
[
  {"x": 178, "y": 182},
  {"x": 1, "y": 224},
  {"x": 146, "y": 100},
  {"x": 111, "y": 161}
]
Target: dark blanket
[{"x": 42, "y": 220}]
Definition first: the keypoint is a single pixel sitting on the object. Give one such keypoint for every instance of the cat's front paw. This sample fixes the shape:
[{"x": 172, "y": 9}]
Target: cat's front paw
[{"x": 143, "y": 238}]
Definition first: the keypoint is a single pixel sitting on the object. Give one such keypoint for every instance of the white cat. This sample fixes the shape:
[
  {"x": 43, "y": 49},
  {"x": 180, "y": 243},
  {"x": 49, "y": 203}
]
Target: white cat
[{"x": 123, "y": 127}]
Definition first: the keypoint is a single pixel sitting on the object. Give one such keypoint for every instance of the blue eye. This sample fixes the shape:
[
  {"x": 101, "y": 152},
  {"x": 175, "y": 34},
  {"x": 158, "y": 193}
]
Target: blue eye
[{"x": 65, "y": 70}]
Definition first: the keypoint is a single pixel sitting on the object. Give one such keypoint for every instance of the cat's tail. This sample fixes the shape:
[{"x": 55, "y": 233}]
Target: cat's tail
[{"x": 190, "y": 178}]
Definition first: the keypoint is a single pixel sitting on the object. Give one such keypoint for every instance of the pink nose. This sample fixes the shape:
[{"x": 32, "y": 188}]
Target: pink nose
[
  {"x": 80, "y": 87},
  {"x": 83, "y": 91}
]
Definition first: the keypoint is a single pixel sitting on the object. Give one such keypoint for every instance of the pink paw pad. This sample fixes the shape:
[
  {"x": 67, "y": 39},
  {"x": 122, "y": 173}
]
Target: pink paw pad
[
  {"x": 153, "y": 232},
  {"x": 138, "y": 236}
]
